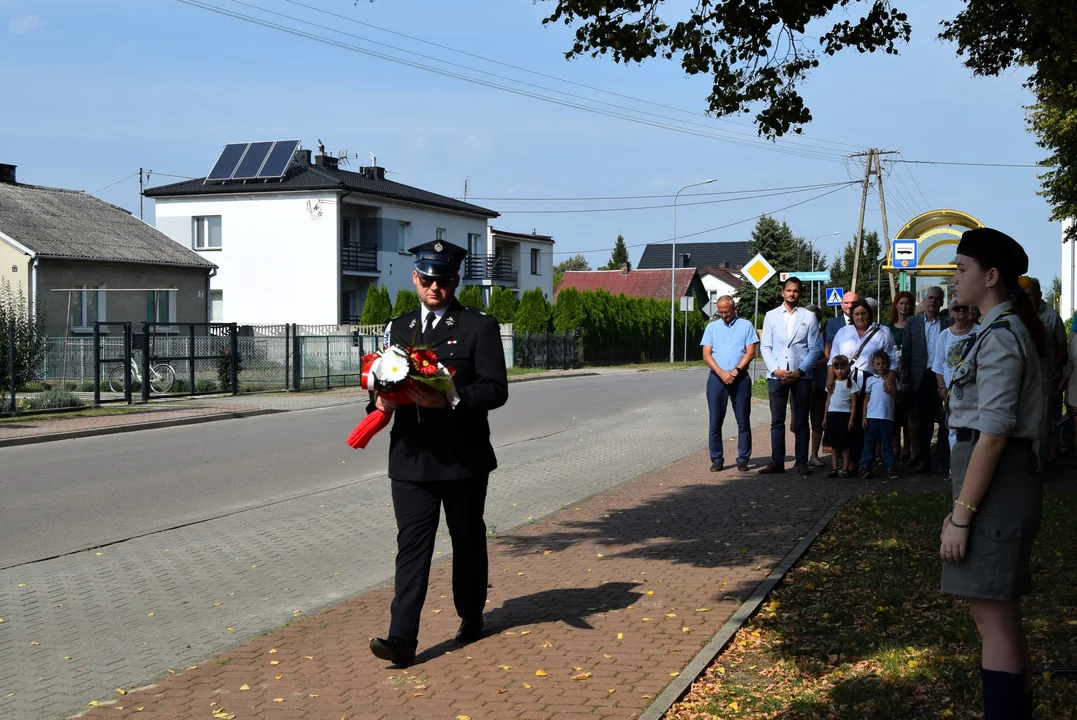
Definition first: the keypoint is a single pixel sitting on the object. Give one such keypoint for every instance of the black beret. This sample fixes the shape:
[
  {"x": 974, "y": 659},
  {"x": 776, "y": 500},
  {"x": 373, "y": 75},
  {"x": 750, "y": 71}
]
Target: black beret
[{"x": 994, "y": 249}]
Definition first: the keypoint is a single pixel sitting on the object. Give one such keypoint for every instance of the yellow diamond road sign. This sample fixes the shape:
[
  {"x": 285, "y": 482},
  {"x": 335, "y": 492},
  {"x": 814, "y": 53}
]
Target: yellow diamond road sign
[{"x": 758, "y": 271}]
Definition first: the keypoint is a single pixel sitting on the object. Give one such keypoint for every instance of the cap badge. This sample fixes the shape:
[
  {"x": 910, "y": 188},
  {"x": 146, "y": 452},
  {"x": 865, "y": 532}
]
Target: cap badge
[{"x": 438, "y": 247}]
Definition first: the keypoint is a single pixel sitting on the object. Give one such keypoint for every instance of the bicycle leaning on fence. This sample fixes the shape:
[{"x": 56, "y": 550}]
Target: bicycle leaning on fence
[{"x": 162, "y": 377}]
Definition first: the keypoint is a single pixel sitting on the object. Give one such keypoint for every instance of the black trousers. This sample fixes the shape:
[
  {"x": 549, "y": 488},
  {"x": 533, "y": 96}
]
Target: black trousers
[
  {"x": 417, "y": 506},
  {"x": 928, "y": 408},
  {"x": 800, "y": 393}
]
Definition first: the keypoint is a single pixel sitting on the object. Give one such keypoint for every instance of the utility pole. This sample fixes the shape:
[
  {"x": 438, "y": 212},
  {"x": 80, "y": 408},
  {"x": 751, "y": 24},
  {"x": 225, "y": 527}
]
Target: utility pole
[
  {"x": 873, "y": 167},
  {"x": 140, "y": 193},
  {"x": 886, "y": 231}
]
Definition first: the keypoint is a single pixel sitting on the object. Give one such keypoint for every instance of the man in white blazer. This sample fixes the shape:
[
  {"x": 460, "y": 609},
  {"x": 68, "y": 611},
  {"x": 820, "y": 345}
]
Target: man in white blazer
[{"x": 790, "y": 345}]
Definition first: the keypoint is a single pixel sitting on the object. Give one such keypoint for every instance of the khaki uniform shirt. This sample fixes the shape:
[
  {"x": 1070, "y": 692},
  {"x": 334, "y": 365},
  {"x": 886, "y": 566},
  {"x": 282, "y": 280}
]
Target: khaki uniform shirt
[{"x": 996, "y": 390}]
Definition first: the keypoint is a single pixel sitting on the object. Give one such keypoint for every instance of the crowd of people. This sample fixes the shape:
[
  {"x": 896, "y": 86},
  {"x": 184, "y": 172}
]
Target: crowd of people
[{"x": 871, "y": 392}]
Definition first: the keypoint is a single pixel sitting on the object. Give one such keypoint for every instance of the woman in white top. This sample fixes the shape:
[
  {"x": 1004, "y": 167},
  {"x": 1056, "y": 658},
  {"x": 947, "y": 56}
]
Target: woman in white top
[
  {"x": 948, "y": 351},
  {"x": 858, "y": 342}
]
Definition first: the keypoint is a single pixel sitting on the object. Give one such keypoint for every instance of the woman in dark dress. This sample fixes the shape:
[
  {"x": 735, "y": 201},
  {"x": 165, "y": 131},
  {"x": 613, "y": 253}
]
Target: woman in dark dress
[{"x": 904, "y": 428}]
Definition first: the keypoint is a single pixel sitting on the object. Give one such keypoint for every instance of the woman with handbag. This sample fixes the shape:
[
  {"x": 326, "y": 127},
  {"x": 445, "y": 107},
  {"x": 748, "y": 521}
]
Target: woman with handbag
[{"x": 995, "y": 407}]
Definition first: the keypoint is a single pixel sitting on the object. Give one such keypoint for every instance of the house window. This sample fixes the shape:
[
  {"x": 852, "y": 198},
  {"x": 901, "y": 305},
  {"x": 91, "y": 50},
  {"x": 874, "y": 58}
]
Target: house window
[
  {"x": 403, "y": 236},
  {"x": 474, "y": 244},
  {"x": 216, "y": 305},
  {"x": 351, "y": 231},
  {"x": 206, "y": 233},
  {"x": 161, "y": 306},
  {"x": 87, "y": 306},
  {"x": 534, "y": 261},
  {"x": 441, "y": 234}
]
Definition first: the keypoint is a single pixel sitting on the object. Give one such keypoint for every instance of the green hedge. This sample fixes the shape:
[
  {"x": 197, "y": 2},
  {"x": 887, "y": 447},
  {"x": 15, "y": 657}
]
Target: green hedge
[{"x": 618, "y": 329}]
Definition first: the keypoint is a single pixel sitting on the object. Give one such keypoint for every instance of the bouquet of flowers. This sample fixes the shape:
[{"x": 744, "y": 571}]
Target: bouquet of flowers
[{"x": 389, "y": 374}]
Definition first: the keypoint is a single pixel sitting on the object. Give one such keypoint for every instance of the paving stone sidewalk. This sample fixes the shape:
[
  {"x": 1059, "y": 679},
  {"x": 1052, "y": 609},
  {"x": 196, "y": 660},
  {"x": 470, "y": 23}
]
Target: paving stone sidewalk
[
  {"x": 592, "y": 612},
  {"x": 59, "y": 426}
]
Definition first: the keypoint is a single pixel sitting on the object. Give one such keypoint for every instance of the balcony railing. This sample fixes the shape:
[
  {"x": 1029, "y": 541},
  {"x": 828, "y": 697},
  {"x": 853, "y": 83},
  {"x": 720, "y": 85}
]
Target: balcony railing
[
  {"x": 362, "y": 258},
  {"x": 489, "y": 267}
]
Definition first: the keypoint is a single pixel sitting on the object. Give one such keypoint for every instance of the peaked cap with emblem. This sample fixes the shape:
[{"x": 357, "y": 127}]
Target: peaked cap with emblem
[{"x": 438, "y": 258}]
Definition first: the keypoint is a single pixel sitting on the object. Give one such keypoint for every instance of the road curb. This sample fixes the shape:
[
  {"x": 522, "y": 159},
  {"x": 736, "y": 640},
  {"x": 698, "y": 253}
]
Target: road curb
[
  {"x": 132, "y": 427},
  {"x": 680, "y": 686}
]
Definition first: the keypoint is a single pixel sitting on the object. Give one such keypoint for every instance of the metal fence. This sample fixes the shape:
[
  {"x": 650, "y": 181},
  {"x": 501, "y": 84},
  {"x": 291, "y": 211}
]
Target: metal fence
[{"x": 548, "y": 350}]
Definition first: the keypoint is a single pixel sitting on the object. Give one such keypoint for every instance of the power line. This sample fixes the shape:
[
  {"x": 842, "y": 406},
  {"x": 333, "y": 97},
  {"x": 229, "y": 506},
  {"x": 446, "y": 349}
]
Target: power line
[
  {"x": 485, "y": 83},
  {"x": 655, "y": 197},
  {"x": 908, "y": 170},
  {"x": 654, "y": 207},
  {"x": 681, "y": 236},
  {"x": 132, "y": 175},
  {"x": 548, "y": 76},
  {"x": 965, "y": 164}
]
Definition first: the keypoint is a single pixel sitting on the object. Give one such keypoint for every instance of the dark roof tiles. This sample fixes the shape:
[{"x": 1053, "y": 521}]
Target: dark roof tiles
[{"x": 701, "y": 255}]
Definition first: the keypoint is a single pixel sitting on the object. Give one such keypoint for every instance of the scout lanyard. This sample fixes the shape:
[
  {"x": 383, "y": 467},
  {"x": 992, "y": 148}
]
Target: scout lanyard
[{"x": 998, "y": 322}]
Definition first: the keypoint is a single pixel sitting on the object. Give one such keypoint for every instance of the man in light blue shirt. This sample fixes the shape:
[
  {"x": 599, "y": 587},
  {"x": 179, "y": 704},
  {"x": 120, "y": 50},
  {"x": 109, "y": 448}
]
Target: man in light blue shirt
[
  {"x": 728, "y": 348},
  {"x": 790, "y": 345}
]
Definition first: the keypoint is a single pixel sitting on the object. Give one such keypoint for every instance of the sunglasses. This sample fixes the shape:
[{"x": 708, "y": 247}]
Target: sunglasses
[
  {"x": 443, "y": 282},
  {"x": 960, "y": 308}
]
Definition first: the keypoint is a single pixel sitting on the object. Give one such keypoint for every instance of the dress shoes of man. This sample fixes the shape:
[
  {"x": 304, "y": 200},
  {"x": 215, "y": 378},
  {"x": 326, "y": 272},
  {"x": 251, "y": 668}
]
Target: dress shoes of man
[
  {"x": 803, "y": 468},
  {"x": 742, "y": 465},
  {"x": 717, "y": 466},
  {"x": 772, "y": 469},
  {"x": 470, "y": 630},
  {"x": 398, "y": 652}
]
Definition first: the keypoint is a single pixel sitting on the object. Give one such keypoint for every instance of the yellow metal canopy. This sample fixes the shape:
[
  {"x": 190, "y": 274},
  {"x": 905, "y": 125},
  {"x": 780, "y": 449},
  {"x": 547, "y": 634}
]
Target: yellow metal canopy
[{"x": 925, "y": 228}]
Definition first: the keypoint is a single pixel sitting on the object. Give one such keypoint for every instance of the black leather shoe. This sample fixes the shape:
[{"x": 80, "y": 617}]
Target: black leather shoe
[
  {"x": 717, "y": 466},
  {"x": 803, "y": 468},
  {"x": 399, "y": 652},
  {"x": 742, "y": 465},
  {"x": 470, "y": 630},
  {"x": 772, "y": 469}
]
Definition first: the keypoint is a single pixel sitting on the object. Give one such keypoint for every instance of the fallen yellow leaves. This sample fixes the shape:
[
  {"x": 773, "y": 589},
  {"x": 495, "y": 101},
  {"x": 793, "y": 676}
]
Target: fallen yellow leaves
[
  {"x": 274, "y": 662},
  {"x": 272, "y": 651},
  {"x": 650, "y": 592},
  {"x": 230, "y": 629},
  {"x": 620, "y": 636},
  {"x": 582, "y": 676},
  {"x": 541, "y": 673},
  {"x": 278, "y": 677},
  {"x": 151, "y": 614},
  {"x": 505, "y": 667},
  {"x": 220, "y": 713},
  {"x": 278, "y": 699},
  {"x": 607, "y": 656},
  {"x": 308, "y": 657},
  {"x": 733, "y": 705},
  {"x": 674, "y": 674},
  {"x": 244, "y": 687},
  {"x": 526, "y": 632},
  {"x": 121, "y": 691}
]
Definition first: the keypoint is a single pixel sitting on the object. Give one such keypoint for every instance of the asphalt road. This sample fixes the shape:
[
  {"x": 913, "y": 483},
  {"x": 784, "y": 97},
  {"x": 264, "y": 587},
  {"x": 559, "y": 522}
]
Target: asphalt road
[
  {"x": 222, "y": 531},
  {"x": 78, "y": 494}
]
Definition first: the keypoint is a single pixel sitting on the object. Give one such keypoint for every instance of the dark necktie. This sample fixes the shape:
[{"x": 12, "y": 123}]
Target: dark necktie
[{"x": 429, "y": 326}]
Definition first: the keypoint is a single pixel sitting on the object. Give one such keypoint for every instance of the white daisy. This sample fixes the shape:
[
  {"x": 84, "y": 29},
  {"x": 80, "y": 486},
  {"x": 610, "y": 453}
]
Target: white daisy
[{"x": 391, "y": 367}]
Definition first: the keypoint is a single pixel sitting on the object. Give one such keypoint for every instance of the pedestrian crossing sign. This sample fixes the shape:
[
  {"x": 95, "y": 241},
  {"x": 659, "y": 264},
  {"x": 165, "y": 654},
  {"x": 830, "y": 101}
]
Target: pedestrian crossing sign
[
  {"x": 834, "y": 295},
  {"x": 758, "y": 271}
]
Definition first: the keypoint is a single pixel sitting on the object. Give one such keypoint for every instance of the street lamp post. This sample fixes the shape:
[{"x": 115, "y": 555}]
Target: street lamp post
[
  {"x": 673, "y": 270},
  {"x": 812, "y": 251}
]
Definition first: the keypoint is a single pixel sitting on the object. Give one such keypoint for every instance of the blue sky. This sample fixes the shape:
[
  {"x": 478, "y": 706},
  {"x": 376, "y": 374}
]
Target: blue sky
[{"x": 95, "y": 90}]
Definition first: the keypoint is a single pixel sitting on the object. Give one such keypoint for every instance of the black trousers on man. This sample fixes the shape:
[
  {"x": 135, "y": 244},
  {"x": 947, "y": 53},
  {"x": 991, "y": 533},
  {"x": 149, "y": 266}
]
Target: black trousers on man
[
  {"x": 928, "y": 406},
  {"x": 800, "y": 394},
  {"x": 417, "y": 506}
]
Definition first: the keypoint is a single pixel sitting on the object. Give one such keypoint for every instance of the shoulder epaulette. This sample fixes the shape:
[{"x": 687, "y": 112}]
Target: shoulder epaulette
[{"x": 1002, "y": 322}]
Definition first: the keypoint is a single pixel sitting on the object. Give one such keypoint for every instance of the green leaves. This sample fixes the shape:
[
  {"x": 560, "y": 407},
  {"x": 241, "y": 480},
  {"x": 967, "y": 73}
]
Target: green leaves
[
  {"x": 503, "y": 304},
  {"x": 533, "y": 315},
  {"x": 471, "y": 296},
  {"x": 377, "y": 310},
  {"x": 30, "y": 335},
  {"x": 756, "y": 53},
  {"x": 406, "y": 301}
]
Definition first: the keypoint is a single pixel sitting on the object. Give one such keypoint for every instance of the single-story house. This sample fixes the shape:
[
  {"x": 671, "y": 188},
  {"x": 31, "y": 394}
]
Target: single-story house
[
  {"x": 656, "y": 284},
  {"x": 79, "y": 259}
]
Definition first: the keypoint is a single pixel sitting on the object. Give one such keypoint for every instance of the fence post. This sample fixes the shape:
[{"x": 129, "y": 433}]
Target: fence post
[
  {"x": 287, "y": 348},
  {"x": 297, "y": 359},
  {"x": 190, "y": 361},
  {"x": 127, "y": 363},
  {"x": 327, "y": 362},
  {"x": 145, "y": 362},
  {"x": 97, "y": 364},
  {"x": 11, "y": 361},
  {"x": 233, "y": 369}
]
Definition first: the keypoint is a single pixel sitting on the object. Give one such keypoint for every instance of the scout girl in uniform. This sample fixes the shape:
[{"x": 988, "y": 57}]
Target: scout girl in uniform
[{"x": 994, "y": 404}]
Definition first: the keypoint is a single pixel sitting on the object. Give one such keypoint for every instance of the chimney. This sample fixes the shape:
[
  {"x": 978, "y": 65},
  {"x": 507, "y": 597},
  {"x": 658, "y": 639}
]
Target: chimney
[
  {"x": 684, "y": 259},
  {"x": 374, "y": 172},
  {"x": 303, "y": 157},
  {"x": 7, "y": 173},
  {"x": 624, "y": 268},
  {"x": 326, "y": 161}
]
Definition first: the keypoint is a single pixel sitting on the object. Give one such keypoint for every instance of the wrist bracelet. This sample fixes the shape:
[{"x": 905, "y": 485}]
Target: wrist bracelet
[
  {"x": 959, "y": 525},
  {"x": 966, "y": 505}
]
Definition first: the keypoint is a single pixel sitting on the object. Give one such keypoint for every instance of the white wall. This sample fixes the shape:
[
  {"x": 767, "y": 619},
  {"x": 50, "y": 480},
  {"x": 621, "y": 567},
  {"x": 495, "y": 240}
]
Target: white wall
[
  {"x": 278, "y": 258},
  {"x": 712, "y": 284},
  {"x": 1069, "y": 274},
  {"x": 395, "y": 266},
  {"x": 544, "y": 279}
]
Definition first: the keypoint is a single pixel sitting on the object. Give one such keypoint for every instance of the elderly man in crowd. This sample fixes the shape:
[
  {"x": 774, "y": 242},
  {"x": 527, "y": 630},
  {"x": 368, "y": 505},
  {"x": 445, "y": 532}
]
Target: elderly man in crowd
[
  {"x": 728, "y": 349},
  {"x": 1052, "y": 363},
  {"x": 922, "y": 332}
]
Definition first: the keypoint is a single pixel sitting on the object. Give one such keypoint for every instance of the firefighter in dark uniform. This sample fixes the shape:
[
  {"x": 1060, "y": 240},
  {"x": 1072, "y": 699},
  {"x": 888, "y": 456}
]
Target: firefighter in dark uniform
[
  {"x": 440, "y": 452},
  {"x": 995, "y": 407}
]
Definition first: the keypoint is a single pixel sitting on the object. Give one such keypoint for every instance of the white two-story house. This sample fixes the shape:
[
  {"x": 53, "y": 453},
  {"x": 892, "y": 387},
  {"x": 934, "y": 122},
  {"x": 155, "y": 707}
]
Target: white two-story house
[
  {"x": 520, "y": 261},
  {"x": 307, "y": 246}
]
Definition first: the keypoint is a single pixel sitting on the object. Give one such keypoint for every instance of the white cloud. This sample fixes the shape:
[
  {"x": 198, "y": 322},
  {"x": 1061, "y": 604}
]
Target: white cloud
[{"x": 24, "y": 24}]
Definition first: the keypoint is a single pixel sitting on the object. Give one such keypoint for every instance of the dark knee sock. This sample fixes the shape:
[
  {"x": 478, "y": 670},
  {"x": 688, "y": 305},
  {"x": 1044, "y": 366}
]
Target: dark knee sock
[{"x": 1003, "y": 694}]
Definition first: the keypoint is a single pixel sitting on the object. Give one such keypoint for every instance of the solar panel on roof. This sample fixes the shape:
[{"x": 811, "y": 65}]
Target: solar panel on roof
[
  {"x": 227, "y": 162},
  {"x": 252, "y": 161},
  {"x": 279, "y": 157}
]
